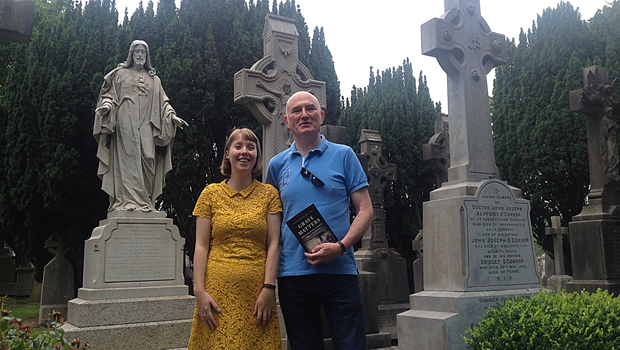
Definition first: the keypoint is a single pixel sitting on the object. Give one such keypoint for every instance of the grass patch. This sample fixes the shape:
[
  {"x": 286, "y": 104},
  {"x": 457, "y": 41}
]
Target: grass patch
[{"x": 22, "y": 308}]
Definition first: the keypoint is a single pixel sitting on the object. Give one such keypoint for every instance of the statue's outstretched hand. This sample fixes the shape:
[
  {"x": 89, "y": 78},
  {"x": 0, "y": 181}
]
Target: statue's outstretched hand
[
  {"x": 104, "y": 109},
  {"x": 178, "y": 121}
]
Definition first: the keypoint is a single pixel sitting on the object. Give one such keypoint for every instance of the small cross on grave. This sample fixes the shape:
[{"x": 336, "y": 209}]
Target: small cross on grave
[
  {"x": 557, "y": 231},
  {"x": 600, "y": 103},
  {"x": 379, "y": 173},
  {"x": 467, "y": 50},
  {"x": 437, "y": 150},
  {"x": 16, "y": 19},
  {"x": 266, "y": 87}
]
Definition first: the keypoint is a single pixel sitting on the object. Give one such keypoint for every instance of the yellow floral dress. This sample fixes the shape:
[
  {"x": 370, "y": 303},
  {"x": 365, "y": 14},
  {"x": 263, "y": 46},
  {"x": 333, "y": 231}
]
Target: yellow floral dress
[{"x": 236, "y": 267}]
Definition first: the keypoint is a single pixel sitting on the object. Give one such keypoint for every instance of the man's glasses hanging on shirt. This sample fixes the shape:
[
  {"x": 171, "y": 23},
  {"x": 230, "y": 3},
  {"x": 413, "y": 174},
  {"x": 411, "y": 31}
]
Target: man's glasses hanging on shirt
[{"x": 315, "y": 180}]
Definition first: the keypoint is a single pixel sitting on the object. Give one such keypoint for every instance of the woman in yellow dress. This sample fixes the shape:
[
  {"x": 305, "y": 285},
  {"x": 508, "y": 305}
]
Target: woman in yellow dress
[{"x": 236, "y": 257}]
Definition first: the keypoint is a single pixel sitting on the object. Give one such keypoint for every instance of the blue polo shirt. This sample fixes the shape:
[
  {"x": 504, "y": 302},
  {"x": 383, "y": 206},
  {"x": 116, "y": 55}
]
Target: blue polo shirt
[{"x": 338, "y": 167}]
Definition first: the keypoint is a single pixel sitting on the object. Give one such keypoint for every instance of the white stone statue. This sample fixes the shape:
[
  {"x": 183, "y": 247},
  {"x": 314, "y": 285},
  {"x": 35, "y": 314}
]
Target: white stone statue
[{"x": 134, "y": 126}]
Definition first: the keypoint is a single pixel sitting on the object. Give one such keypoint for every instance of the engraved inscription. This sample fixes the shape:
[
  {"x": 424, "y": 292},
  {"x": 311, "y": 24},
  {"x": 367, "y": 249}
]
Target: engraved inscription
[
  {"x": 140, "y": 252},
  {"x": 499, "y": 239}
]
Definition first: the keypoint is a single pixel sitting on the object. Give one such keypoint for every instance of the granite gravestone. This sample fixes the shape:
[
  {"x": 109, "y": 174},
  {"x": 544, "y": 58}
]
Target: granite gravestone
[
  {"x": 595, "y": 232},
  {"x": 462, "y": 278},
  {"x": 57, "y": 288},
  {"x": 375, "y": 255},
  {"x": 557, "y": 281},
  {"x": 134, "y": 292},
  {"x": 269, "y": 83}
]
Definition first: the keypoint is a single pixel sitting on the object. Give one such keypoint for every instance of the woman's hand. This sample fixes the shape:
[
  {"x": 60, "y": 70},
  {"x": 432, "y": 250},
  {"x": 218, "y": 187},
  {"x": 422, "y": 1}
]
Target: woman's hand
[
  {"x": 205, "y": 302},
  {"x": 264, "y": 306}
]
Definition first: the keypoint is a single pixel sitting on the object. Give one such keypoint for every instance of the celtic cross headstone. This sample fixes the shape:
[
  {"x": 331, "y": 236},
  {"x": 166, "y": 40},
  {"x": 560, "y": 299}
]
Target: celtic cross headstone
[
  {"x": 269, "y": 83},
  {"x": 467, "y": 51},
  {"x": 379, "y": 173}
]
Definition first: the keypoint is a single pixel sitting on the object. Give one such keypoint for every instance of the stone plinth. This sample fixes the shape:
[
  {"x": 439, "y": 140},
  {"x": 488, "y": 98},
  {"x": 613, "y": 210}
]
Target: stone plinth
[
  {"x": 134, "y": 293},
  {"x": 391, "y": 288},
  {"x": 438, "y": 319},
  {"x": 595, "y": 253},
  {"x": 477, "y": 251}
]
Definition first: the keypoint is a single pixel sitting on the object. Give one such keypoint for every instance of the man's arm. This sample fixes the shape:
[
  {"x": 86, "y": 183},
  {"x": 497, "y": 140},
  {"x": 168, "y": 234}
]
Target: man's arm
[{"x": 327, "y": 252}]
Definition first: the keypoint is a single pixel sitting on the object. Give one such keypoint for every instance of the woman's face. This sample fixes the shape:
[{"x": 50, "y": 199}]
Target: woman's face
[{"x": 242, "y": 155}]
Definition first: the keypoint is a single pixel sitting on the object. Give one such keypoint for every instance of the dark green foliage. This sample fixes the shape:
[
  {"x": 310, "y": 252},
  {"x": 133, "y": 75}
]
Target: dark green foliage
[
  {"x": 403, "y": 113},
  {"x": 551, "y": 322},
  {"x": 322, "y": 68},
  {"x": 49, "y": 88},
  {"x": 540, "y": 146}
]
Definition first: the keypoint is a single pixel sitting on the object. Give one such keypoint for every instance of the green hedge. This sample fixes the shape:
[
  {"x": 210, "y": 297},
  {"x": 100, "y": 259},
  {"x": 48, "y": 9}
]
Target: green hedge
[{"x": 575, "y": 321}]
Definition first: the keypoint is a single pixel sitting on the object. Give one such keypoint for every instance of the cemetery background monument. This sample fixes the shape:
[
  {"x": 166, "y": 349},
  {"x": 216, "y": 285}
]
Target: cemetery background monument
[
  {"x": 375, "y": 255},
  {"x": 478, "y": 246},
  {"x": 269, "y": 83},
  {"x": 595, "y": 232},
  {"x": 134, "y": 294}
]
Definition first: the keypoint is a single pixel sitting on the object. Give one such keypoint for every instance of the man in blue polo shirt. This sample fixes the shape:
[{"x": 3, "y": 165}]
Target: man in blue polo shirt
[{"x": 316, "y": 171}]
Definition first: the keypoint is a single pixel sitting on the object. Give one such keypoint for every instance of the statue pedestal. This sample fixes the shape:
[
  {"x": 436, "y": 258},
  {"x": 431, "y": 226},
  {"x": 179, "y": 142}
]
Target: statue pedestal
[{"x": 134, "y": 294}]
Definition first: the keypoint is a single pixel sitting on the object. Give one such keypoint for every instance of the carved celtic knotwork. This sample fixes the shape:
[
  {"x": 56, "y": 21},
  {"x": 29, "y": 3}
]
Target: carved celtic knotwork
[{"x": 269, "y": 83}]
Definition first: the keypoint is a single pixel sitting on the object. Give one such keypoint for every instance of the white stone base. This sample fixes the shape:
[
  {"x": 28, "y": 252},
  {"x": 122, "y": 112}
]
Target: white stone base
[
  {"x": 135, "y": 336},
  {"x": 137, "y": 323},
  {"x": 437, "y": 320}
]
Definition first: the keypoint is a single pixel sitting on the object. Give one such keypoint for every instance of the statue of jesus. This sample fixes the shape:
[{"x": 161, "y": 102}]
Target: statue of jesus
[{"x": 134, "y": 127}]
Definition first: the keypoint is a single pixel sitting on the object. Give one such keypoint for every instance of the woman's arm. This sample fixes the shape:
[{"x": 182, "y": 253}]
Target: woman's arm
[
  {"x": 264, "y": 303},
  {"x": 204, "y": 301}
]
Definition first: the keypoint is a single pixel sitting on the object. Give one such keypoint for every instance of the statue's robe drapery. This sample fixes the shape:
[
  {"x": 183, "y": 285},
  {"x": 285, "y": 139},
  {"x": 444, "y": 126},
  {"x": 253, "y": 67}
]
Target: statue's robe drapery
[{"x": 135, "y": 139}]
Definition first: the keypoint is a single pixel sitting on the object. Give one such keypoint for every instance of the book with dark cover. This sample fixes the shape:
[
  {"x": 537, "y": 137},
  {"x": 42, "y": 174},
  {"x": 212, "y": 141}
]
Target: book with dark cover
[{"x": 311, "y": 229}]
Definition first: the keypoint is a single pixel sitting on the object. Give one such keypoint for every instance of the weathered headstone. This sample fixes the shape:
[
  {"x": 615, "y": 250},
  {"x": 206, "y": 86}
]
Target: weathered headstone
[
  {"x": 375, "y": 255},
  {"x": 269, "y": 83},
  {"x": 595, "y": 232},
  {"x": 57, "y": 288},
  {"x": 478, "y": 246},
  {"x": 437, "y": 150},
  {"x": 16, "y": 20},
  {"x": 559, "y": 279}
]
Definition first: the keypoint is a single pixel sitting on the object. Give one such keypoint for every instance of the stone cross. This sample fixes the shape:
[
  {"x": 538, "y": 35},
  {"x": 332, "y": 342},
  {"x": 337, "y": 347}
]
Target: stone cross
[
  {"x": 16, "y": 19},
  {"x": 600, "y": 103},
  {"x": 379, "y": 173},
  {"x": 557, "y": 231},
  {"x": 269, "y": 83},
  {"x": 467, "y": 50},
  {"x": 437, "y": 150}
]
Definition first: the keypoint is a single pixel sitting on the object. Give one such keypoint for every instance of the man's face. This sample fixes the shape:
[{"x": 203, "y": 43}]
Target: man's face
[
  {"x": 303, "y": 114},
  {"x": 139, "y": 55}
]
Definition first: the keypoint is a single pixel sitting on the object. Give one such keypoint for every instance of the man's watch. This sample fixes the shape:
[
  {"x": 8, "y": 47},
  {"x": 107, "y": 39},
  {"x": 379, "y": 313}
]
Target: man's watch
[{"x": 344, "y": 249}]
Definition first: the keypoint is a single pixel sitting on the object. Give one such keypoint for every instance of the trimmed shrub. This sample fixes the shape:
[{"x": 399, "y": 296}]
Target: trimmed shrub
[{"x": 547, "y": 321}]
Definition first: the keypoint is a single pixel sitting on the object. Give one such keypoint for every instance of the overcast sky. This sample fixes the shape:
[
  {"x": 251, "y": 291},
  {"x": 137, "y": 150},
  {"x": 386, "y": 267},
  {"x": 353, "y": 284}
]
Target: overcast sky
[{"x": 385, "y": 33}]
